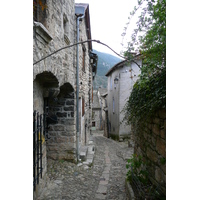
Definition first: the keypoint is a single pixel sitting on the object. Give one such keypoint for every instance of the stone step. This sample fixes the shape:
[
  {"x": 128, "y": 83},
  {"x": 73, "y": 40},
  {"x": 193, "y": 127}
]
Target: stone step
[
  {"x": 90, "y": 154},
  {"x": 87, "y": 154},
  {"x": 83, "y": 153}
]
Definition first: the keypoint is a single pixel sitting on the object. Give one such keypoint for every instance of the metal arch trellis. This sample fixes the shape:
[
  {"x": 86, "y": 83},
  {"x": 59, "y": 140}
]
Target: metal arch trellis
[{"x": 82, "y": 43}]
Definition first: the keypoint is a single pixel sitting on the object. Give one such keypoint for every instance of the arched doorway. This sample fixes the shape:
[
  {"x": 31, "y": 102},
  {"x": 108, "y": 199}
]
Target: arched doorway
[
  {"x": 45, "y": 86},
  {"x": 62, "y": 142}
]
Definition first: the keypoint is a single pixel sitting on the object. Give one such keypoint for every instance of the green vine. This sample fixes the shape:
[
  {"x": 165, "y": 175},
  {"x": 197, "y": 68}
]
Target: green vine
[
  {"x": 138, "y": 167},
  {"x": 148, "y": 95},
  {"x": 149, "y": 92}
]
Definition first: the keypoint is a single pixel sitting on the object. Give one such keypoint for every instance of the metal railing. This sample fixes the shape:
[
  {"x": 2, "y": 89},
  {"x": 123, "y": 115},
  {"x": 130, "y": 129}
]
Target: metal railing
[{"x": 37, "y": 147}]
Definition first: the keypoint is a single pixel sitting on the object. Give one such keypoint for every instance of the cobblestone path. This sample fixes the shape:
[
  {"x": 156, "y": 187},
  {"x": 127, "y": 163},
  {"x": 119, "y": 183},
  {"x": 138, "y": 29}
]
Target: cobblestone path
[{"x": 105, "y": 179}]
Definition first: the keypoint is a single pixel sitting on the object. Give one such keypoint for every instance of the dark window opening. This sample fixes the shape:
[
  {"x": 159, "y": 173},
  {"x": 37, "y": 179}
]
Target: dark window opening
[
  {"x": 39, "y": 11},
  {"x": 83, "y": 107},
  {"x": 83, "y": 60}
]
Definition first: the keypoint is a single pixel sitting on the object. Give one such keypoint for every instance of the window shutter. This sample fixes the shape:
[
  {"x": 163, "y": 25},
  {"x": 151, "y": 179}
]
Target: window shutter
[
  {"x": 83, "y": 107},
  {"x": 83, "y": 60}
]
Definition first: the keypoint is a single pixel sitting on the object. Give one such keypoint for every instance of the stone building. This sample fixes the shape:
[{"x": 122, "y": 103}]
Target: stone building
[
  {"x": 96, "y": 112},
  {"x": 61, "y": 100},
  {"x": 121, "y": 78},
  {"x": 104, "y": 110},
  {"x": 102, "y": 101}
]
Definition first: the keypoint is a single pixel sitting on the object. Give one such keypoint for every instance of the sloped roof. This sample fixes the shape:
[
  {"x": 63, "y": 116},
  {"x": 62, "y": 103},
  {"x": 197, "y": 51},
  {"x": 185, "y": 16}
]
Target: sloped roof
[
  {"x": 120, "y": 64},
  {"x": 78, "y": 10}
]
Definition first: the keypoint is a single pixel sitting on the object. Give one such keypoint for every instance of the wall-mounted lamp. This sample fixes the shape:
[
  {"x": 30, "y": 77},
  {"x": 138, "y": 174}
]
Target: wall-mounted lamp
[{"x": 116, "y": 80}]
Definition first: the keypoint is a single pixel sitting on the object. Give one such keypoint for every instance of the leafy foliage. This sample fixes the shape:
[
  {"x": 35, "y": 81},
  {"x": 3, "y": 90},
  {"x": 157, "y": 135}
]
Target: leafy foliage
[
  {"x": 138, "y": 177},
  {"x": 138, "y": 167},
  {"x": 147, "y": 96},
  {"x": 149, "y": 92},
  {"x": 149, "y": 38}
]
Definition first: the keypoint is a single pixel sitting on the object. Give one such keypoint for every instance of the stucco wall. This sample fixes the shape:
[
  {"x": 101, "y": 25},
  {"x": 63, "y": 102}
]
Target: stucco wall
[
  {"x": 113, "y": 106},
  {"x": 127, "y": 75},
  {"x": 127, "y": 78}
]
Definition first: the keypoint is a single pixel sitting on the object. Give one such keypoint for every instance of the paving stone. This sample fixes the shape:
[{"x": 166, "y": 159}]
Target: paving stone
[
  {"x": 104, "y": 179},
  {"x": 100, "y": 196},
  {"x": 102, "y": 189},
  {"x": 103, "y": 182}
]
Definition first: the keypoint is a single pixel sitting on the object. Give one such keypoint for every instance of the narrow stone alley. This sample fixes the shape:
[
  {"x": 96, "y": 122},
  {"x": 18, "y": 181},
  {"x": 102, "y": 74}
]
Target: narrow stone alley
[{"x": 103, "y": 179}]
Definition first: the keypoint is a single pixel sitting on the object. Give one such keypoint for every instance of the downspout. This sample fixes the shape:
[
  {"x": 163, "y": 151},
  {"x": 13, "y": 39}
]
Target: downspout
[{"x": 77, "y": 88}]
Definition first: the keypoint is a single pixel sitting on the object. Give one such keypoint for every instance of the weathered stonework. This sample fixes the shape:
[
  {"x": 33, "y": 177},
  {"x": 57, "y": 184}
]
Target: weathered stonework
[
  {"x": 54, "y": 80},
  {"x": 149, "y": 139}
]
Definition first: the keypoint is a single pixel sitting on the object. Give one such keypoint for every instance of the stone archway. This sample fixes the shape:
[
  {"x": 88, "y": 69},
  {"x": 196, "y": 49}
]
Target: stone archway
[{"x": 45, "y": 85}]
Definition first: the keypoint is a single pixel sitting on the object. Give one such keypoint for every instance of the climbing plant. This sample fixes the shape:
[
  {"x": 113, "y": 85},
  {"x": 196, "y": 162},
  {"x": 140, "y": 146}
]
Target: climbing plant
[
  {"x": 137, "y": 165},
  {"x": 149, "y": 35},
  {"x": 148, "y": 39},
  {"x": 148, "y": 95}
]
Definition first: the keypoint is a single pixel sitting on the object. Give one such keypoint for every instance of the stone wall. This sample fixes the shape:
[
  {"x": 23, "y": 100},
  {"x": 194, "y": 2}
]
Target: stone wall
[
  {"x": 55, "y": 78},
  {"x": 149, "y": 139},
  {"x": 85, "y": 74},
  {"x": 61, "y": 64},
  {"x": 62, "y": 142}
]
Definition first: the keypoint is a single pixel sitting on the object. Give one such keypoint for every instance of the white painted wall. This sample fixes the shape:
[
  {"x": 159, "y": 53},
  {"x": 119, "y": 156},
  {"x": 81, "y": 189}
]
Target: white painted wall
[{"x": 127, "y": 75}]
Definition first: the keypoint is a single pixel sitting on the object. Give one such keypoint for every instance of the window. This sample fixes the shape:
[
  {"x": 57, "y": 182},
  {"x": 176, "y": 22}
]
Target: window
[
  {"x": 66, "y": 29},
  {"x": 113, "y": 105},
  {"x": 93, "y": 114},
  {"x": 83, "y": 59},
  {"x": 93, "y": 124},
  {"x": 83, "y": 107},
  {"x": 111, "y": 82},
  {"x": 39, "y": 11}
]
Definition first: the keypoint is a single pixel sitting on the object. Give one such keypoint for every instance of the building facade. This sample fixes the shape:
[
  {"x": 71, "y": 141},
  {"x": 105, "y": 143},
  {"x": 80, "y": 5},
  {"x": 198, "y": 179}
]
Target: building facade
[
  {"x": 62, "y": 83},
  {"x": 121, "y": 78},
  {"x": 96, "y": 112}
]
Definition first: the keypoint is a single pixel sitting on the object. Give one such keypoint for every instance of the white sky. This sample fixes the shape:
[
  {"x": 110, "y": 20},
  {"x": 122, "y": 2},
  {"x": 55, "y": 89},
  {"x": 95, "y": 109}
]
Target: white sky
[{"x": 108, "y": 19}]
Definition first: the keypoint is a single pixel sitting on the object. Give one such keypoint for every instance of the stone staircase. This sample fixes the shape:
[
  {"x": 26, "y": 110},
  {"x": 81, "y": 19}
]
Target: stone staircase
[{"x": 87, "y": 154}]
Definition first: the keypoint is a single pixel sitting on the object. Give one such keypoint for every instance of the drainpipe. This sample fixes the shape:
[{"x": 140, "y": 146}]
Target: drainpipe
[{"x": 77, "y": 88}]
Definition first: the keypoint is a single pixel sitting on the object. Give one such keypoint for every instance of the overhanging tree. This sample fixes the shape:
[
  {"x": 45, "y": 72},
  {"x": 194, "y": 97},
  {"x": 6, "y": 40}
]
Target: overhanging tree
[{"x": 148, "y": 38}]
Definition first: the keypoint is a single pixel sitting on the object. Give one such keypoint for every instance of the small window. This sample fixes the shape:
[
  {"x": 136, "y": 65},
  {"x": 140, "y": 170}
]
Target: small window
[
  {"x": 83, "y": 59},
  {"x": 93, "y": 114},
  {"x": 39, "y": 11},
  {"x": 93, "y": 124},
  {"x": 111, "y": 82},
  {"x": 83, "y": 107},
  {"x": 113, "y": 105},
  {"x": 66, "y": 29}
]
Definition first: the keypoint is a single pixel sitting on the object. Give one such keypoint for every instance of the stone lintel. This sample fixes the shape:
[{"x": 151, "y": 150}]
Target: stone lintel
[{"x": 43, "y": 32}]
